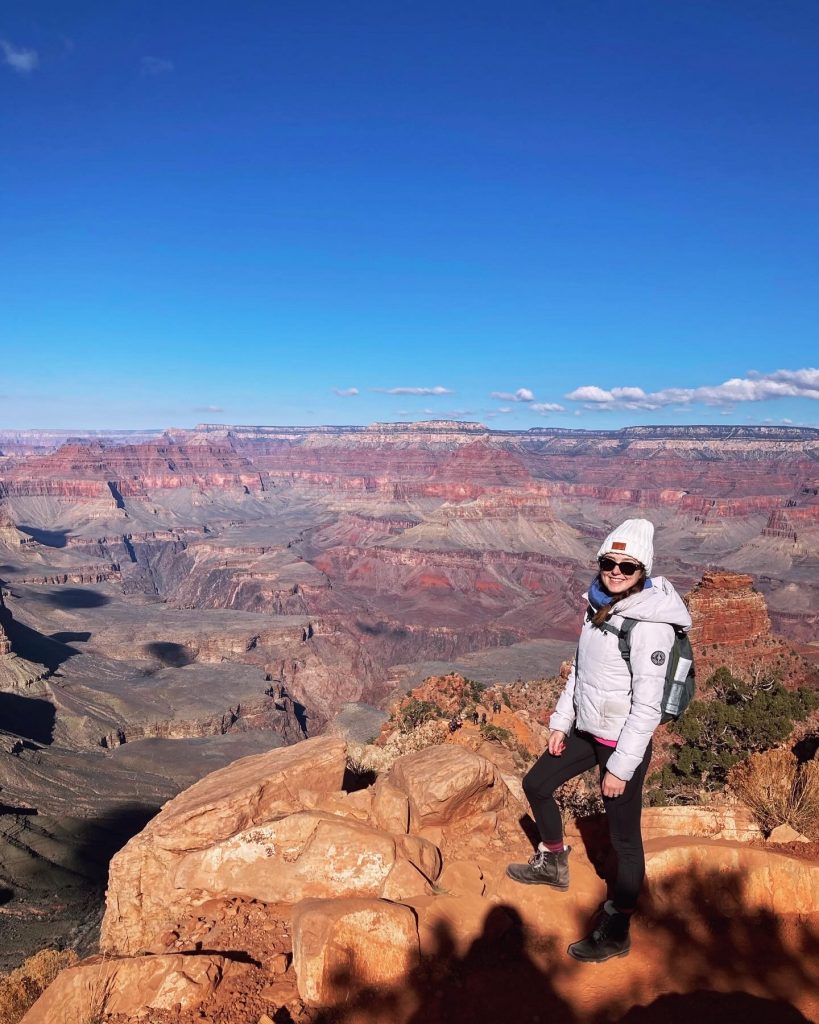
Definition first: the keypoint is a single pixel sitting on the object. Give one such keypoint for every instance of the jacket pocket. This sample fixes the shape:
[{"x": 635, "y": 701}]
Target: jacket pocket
[{"x": 616, "y": 709}]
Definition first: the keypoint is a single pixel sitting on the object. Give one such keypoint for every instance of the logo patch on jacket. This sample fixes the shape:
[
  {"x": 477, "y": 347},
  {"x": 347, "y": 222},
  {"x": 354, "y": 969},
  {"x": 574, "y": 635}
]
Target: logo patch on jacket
[{"x": 658, "y": 657}]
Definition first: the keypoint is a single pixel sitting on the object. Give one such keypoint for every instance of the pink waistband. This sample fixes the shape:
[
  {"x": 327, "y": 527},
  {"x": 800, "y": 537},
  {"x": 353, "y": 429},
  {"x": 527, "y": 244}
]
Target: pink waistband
[{"x": 606, "y": 743}]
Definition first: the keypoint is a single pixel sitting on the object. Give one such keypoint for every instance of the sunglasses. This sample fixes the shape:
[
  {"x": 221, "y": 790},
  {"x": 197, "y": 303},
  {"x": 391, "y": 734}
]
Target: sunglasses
[{"x": 626, "y": 568}]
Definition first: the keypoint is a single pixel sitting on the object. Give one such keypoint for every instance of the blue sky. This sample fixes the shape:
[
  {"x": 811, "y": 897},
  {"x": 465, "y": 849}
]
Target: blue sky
[{"x": 245, "y": 212}]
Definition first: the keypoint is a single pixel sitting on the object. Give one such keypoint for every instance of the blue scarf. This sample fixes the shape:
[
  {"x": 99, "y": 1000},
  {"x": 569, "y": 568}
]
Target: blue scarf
[{"x": 599, "y": 597}]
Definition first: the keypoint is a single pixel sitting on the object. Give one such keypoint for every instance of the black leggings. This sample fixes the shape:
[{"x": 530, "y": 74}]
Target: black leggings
[{"x": 623, "y": 812}]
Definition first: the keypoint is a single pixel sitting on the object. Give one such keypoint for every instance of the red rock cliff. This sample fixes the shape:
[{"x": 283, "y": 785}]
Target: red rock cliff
[{"x": 731, "y": 627}]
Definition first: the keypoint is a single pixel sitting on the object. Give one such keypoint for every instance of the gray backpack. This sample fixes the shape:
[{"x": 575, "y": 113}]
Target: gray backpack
[{"x": 678, "y": 691}]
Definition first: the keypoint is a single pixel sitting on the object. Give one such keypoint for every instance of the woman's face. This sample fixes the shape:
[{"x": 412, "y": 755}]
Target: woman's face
[{"x": 615, "y": 580}]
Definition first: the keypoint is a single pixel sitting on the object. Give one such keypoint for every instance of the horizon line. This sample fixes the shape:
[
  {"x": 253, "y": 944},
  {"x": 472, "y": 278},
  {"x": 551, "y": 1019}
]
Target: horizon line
[{"x": 423, "y": 425}]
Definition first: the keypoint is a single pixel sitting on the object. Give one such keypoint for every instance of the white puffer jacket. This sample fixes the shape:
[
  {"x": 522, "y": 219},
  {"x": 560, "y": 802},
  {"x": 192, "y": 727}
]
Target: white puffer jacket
[{"x": 602, "y": 697}]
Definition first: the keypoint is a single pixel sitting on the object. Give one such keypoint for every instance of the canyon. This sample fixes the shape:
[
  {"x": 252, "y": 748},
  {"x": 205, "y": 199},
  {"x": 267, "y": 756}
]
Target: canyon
[{"x": 175, "y": 600}]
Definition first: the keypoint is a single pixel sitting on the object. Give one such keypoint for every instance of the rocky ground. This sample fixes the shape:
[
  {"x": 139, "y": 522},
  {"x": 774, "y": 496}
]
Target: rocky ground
[{"x": 265, "y": 889}]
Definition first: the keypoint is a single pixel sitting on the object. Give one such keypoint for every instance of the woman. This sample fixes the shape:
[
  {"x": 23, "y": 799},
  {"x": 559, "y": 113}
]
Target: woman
[{"x": 606, "y": 716}]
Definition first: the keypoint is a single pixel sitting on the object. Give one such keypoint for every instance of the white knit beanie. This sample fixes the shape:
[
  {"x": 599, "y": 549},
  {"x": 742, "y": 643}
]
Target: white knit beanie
[{"x": 635, "y": 538}]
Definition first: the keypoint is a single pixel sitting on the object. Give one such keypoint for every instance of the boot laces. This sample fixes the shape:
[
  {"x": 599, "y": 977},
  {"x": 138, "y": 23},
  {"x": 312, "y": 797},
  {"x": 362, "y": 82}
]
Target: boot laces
[
  {"x": 604, "y": 927},
  {"x": 538, "y": 859}
]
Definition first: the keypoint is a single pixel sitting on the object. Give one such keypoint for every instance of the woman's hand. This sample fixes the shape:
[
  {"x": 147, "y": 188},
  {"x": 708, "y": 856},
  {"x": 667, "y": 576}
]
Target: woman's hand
[
  {"x": 611, "y": 786},
  {"x": 557, "y": 743}
]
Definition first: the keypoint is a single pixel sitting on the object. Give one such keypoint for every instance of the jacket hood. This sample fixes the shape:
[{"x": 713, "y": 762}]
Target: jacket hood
[{"x": 658, "y": 603}]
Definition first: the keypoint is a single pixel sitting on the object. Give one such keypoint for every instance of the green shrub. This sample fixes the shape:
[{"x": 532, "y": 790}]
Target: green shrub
[
  {"x": 415, "y": 712},
  {"x": 495, "y": 732},
  {"x": 714, "y": 735},
  {"x": 473, "y": 691}
]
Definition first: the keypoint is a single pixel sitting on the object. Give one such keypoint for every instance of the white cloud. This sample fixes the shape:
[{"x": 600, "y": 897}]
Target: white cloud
[
  {"x": 544, "y": 408},
  {"x": 156, "y": 65},
  {"x": 590, "y": 393},
  {"x": 208, "y": 408},
  {"x": 346, "y": 392},
  {"x": 415, "y": 391},
  {"x": 21, "y": 60},
  {"x": 756, "y": 387},
  {"x": 521, "y": 395}
]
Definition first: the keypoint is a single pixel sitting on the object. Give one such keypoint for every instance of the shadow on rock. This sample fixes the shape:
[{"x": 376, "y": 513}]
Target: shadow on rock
[
  {"x": 705, "y": 933},
  {"x": 37, "y": 647},
  {"x": 75, "y": 597},
  {"x": 170, "y": 654},
  {"x": 98, "y": 839},
  {"x": 381, "y": 629},
  {"x": 48, "y": 538},
  {"x": 30, "y": 718},
  {"x": 697, "y": 934},
  {"x": 708, "y": 1007},
  {"x": 495, "y": 980},
  {"x": 68, "y": 637}
]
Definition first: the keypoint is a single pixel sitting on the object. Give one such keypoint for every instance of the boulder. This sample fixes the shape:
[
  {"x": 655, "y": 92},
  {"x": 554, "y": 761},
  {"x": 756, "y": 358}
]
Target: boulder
[
  {"x": 142, "y": 899},
  {"x": 356, "y": 805},
  {"x": 307, "y": 854},
  {"x": 731, "y": 877},
  {"x": 132, "y": 986},
  {"x": 786, "y": 834},
  {"x": 342, "y": 945},
  {"x": 390, "y": 807},
  {"x": 251, "y": 790},
  {"x": 515, "y": 786},
  {"x": 446, "y": 784}
]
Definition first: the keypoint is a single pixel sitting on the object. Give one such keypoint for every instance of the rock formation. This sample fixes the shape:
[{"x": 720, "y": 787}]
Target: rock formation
[
  {"x": 5, "y": 616},
  {"x": 267, "y": 887},
  {"x": 731, "y": 627}
]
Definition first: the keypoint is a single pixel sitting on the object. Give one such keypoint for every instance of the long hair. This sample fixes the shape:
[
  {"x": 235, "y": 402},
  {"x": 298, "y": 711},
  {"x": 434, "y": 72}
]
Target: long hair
[{"x": 606, "y": 610}]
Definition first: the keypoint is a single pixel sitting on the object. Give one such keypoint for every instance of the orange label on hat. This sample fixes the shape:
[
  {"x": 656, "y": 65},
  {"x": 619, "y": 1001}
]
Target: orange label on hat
[{"x": 618, "y": 545}]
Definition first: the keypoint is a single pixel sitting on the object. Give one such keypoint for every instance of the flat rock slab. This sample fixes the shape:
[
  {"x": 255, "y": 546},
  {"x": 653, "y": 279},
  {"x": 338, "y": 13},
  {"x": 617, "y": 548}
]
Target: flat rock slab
[
  {"x": 130, "y": 985},
  {"x": 735, "y": 823},
  {"x": 732, "y": 877}
]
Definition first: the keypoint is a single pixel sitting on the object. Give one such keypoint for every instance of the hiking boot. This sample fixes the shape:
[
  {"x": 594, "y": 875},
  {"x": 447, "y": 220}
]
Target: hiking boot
[
  {"x": 610, "y": 938},
  {"x": 544, "y": 868}
]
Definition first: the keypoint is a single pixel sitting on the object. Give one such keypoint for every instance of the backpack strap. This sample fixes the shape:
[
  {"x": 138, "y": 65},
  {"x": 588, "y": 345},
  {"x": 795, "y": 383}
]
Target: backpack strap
[
  {"x": 624, "y": 638},
  {"x": 623, "y": 634}
]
